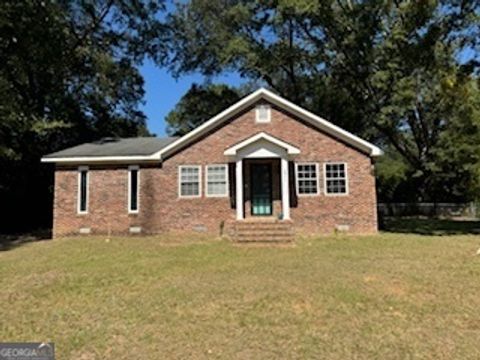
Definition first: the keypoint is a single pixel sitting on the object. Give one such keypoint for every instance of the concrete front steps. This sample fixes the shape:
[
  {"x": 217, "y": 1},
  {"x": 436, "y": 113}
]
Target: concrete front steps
[{"x": 263, "y": 231}]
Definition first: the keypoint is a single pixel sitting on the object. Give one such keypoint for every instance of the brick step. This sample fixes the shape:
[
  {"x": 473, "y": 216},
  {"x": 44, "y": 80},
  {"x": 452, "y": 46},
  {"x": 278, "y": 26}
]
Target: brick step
[
  {"x": 263, "y": 226},
  {"x": 265, "y": 239},
  {"x": 266, "y": 232}
]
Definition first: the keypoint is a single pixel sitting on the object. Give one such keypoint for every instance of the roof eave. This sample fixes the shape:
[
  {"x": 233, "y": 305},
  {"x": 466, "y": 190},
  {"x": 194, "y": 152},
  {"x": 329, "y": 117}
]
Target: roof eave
[
  {"x": 319, "y": 122},
  {"x": 100, "y": 159},
  {"x": 326, "y": 125},
  {"x": 230, "y": 111}
]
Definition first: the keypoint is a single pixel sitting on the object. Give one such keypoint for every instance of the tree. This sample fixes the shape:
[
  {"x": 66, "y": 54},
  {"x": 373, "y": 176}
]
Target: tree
[
  {"x": 386, "y": 70},
  {"x": 67, "y": 75},
  {"x": 200, "y": 103}
]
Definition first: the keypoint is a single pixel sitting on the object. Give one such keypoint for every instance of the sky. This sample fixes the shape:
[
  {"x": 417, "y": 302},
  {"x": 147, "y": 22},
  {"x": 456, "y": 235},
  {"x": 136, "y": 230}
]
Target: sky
[{"x": 163, "y": 91}]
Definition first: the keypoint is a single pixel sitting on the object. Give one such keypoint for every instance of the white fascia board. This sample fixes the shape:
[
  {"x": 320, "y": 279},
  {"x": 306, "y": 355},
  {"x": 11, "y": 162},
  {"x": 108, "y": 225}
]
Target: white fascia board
[
  {"x": 315, "y": 120},
  {"x": 325, "y": 125},
  {"x": 291, "y": 150},
  {"x": 243, "y": 103},
  {"x": 101, "y": 159}
]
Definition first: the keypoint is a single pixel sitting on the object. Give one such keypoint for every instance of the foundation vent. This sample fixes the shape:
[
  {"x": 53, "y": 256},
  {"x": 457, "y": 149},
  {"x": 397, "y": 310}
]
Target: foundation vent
[
  {"x": 84, "y": 230},
  {"x": 135, "y": 230}
]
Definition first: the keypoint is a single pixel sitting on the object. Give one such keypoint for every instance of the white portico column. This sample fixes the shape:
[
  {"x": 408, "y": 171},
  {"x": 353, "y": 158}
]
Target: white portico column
[
  {"x": 239, "y": 188},
  {"x": 285, "y": 189}
]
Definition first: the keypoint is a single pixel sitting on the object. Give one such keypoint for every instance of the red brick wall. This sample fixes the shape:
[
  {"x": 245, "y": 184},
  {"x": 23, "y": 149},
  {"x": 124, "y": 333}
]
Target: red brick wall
[
  {"x": 161, "y": 209},
  {"x": 107, "y": 205}
]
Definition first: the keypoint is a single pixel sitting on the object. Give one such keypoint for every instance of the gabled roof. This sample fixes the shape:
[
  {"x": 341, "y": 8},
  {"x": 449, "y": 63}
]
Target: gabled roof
[
  {"x": 290, "y": 149},
  {"x": 156, "y": 149},
  {"x": 265, "y": 94}
]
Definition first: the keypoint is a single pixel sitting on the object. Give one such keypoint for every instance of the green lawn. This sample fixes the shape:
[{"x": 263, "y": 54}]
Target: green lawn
[{"x": 391, "y": 296}]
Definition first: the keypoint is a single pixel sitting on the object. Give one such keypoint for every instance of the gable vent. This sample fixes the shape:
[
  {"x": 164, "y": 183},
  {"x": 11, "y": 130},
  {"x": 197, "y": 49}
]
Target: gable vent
[{"x": 263, "y": 113}]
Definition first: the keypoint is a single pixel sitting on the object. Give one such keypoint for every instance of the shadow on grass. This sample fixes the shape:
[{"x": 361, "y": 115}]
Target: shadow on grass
[
  {"x": 11, "y": 241},
  {"x": 426, "y": 226}
]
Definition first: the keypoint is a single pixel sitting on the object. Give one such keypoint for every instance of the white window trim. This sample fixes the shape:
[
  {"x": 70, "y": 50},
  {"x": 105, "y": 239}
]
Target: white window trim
[
  {"x": 199, "y": 167},
  {"x": 227, "y": 184},
  {"x": 325, "y": 179},
  {"x": 79, "y": 190},
  {"x": 129, "y": 194},
  {"x": 297, "y": 181},
  {"x": 257, "y": 114}
]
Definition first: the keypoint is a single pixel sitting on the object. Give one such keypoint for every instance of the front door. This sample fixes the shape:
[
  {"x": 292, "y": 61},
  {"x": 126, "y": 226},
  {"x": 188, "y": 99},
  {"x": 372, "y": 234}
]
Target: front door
[{"x": 261, "y": 180}]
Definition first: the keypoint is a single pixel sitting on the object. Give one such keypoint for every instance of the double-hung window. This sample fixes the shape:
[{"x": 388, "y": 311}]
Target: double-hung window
[
  {"x": 307, "y": 179},
  {"x": 336, "y": 179},
  {"x": 133, "y": 186},
  {"x": 82, "y": 194},
  {"x": 189, "y": 181},
  {"x": 217, "y": 180}
]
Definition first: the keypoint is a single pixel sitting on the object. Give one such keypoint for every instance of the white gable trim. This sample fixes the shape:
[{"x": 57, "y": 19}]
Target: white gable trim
[
  {"x": 263, "y": 93},
  {"x": 290, "y": 149},
  {"x": 217, "y": 120}
]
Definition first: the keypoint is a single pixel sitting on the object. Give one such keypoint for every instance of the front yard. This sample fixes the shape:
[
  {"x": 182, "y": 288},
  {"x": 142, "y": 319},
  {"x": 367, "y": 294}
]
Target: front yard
[{"x": 391, "y": 296}]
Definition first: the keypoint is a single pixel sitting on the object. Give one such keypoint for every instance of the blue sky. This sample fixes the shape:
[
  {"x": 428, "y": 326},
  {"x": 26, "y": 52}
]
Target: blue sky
[{"x": 162, "y": 92}]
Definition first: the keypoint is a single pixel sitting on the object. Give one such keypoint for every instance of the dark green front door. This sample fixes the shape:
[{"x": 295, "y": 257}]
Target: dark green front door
[{"x": 261, "y": 180}]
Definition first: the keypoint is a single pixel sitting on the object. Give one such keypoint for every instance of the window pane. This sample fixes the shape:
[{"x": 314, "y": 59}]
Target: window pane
[
  {"x": 83, "y": 191},
  {"x": 190, "y": 189},
  {"x": 336, "y": 178},
  {"x": 217, "y": 180},
  {"x": 133, "y": 190},
  {"x": 216, "y": 188},
  {"x": 307, "y": 179},
  {"x": 189, "y": 181}
]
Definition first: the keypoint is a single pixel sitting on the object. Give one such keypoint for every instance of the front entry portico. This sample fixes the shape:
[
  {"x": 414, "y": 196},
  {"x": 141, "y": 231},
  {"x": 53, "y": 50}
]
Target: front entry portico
[{"x": 260, "y": 153}]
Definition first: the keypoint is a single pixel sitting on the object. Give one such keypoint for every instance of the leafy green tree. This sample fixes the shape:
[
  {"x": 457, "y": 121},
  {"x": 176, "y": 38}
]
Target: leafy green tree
[
  {"x": 67, "y": 75},
  {"x": 200, "y": 103},
  {"x": 395, "y": 72}
]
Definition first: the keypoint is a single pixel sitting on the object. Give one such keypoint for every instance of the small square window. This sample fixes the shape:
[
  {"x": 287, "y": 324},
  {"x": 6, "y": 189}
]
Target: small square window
[
  {"x": 336, "y": 179},
  {"x": 263, "y": 113}
]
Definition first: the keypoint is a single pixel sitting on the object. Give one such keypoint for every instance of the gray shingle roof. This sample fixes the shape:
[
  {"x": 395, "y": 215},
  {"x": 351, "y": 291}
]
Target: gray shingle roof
[{"x": 139, "y": 146}]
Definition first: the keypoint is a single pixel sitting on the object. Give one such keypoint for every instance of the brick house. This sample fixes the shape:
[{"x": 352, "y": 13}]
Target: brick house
[{"x": 263, "y": 168}]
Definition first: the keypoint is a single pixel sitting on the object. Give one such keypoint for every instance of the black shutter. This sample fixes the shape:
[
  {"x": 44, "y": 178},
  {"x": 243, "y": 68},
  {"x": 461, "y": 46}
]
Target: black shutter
[
  {"x": 232, "y": 184},
  {"x": 292, "y": 180}
]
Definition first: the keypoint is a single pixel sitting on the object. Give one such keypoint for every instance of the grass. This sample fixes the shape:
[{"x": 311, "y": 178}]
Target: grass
[{"x": 391, "y": 296}]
